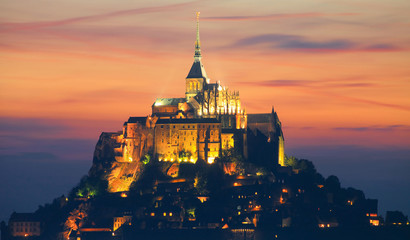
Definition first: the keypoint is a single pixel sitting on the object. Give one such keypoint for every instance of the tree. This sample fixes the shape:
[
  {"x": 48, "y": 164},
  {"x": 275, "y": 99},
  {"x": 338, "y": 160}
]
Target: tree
[
  {"x": 332, "y": 184},
  {"x": 290, "y": 161}
]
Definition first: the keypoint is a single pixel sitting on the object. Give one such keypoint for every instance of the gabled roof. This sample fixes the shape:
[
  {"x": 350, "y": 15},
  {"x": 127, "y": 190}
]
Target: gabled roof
[
  {"x": 168, "y": 101},
  {"x": 197, "y": 71},
  {"x": 259, "y": 118},
  {"x": 137, "y": 120},
  {"x": 24, "y": 217},
  {"x": 187, "y": 120}
]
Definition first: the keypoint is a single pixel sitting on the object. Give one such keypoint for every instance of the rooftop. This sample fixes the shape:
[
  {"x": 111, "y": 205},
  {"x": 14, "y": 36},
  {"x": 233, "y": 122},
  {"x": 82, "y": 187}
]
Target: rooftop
[
  {"x": 168, "y": 101},
  {"x": 137, "y": 120},
  {"x": 197, "y": 71},
  {"x": 23, "y": 217},
  {"x": 187, "y": 120}
]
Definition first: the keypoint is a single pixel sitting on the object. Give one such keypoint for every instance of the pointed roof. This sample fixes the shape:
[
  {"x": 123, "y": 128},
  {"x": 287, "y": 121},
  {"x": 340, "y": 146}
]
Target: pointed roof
[{"x": 197, "y": 71}]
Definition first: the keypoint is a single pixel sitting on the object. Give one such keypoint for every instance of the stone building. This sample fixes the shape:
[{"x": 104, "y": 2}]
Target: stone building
[{"x": 24, "y": 225}]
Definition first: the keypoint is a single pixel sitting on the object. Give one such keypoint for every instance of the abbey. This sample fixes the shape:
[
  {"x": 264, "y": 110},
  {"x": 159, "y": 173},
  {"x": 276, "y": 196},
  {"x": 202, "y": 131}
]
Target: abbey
[{"x": 201, "y": 125}]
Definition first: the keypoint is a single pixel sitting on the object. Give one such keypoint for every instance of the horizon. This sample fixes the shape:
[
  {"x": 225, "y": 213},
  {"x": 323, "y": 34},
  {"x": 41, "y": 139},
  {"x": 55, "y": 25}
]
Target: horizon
[{"x": 336, "y": 75}]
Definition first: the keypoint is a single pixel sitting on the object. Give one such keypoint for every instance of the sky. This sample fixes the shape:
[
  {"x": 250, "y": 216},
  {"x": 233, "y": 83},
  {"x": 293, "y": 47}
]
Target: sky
[{"x": 336, "y": 72}]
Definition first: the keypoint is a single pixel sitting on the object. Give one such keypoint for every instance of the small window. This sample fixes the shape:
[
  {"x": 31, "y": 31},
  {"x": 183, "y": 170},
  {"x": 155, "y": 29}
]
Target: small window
[{"x": 162, "y": 126}]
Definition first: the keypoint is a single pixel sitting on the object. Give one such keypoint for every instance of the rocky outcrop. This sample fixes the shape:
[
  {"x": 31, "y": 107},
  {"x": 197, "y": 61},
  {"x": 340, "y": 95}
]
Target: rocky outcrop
[
  {"x": 118, "y": 159},
  {"x": 104, "y": 154}
]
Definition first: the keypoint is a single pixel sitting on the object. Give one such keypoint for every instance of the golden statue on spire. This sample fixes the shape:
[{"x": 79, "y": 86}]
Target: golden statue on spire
[{"x": 197, "y": 55}]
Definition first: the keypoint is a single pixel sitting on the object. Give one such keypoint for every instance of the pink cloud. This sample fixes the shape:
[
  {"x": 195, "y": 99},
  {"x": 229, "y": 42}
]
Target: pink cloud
[
  {"x": 10, "y": 26},
  {"x": 274, "y": 16}
]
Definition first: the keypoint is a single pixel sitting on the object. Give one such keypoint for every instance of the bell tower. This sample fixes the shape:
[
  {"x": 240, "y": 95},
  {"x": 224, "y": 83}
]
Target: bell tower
[{"x": 197, "y": 76}]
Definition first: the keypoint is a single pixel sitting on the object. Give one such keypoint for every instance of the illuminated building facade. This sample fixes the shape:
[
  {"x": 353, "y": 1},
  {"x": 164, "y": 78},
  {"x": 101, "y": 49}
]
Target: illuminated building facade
[
  {"x": 24, "y": 225},
  {"x": 119, "y": 221}
]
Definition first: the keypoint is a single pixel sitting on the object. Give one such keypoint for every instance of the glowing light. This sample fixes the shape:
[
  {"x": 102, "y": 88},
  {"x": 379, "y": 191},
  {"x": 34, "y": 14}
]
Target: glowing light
[
  {"x": 374, "y": 222},
  {"x": 211, "y": 160},
  {"x": 202, "y": 199},
  {"x": 124, "y": 195},
  {"x": 284, "y": 190},
  {"x": 170, "y": 214},
  {"x": 165, "y": 214},
  {"x": 152, "y": 214}
]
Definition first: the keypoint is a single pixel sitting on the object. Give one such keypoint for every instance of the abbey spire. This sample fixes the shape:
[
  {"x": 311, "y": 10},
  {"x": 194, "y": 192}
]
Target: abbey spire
[{"x": 197, "y": 56}]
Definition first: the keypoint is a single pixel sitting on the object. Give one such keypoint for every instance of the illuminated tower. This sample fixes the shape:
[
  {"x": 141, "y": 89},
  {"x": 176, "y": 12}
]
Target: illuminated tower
[{"x": 197, "y": 76}]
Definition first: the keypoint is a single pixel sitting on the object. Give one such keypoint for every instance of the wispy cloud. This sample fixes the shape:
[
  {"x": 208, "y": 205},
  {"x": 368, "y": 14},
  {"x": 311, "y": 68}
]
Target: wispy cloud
[
  {"x": 29, "y": 126},
  {"x": 374, "y": 128},
  {"x": 320, "y": 88},
  {"x": 274, "y": 16},
  {"x": 11, "y": 26},
  {"x": 300, "y": 43},
  {"x": 310, "y": 83},
  {"x": 105, "y": 95}
]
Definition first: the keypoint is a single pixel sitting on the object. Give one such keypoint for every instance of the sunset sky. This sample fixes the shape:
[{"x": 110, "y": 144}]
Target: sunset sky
[{"x": 337, "y": 73}]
